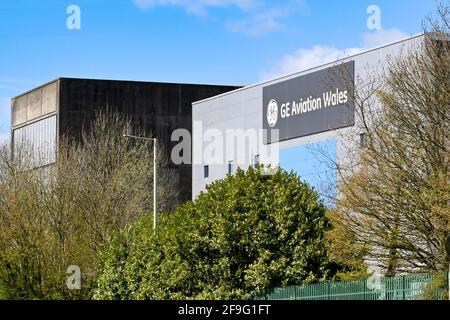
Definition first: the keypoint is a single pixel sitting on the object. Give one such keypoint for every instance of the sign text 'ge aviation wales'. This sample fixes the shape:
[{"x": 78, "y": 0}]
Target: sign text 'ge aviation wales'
[{"x": 309, "y": 104}]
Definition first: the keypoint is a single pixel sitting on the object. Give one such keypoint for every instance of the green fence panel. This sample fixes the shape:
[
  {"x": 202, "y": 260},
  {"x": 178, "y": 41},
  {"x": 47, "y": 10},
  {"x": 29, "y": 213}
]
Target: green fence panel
[{"x": 408, "y": 287}]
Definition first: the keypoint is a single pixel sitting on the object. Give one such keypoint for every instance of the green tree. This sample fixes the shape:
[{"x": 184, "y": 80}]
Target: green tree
[
  {"x": 393, "y": 207},
  {"x": 246, "y": 234},
  {"x": 58, "y": 216}
]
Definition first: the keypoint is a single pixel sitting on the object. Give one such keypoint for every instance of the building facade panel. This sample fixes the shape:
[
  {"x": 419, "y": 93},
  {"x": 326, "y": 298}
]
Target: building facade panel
[
  {"x": 36, "y": 142},
  {"x": 34, "y": 104},
  {"x": 19, "y": 111},
  {"x": 49, "y": 98},
  {"x": 246, "y": 108}
]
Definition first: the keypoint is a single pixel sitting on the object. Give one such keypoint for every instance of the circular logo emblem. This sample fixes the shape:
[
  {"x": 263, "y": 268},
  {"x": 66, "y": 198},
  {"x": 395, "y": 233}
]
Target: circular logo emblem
[{"x": 272, "y": 113}]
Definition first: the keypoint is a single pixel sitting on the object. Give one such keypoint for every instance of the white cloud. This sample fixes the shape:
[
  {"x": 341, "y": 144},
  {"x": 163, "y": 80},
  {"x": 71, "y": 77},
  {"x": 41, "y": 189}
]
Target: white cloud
[
  {"x": 5, "y": 114},
  {"x": 258, "y": 24},
  {"x": 5, "y": 119},
  {"x": 266, "y": 19},
  {"x": 258, "y": 17},
  {"x": 306, "y": 58},
  {"x": 198, "y": 7},
  {"x": 5, "y": 138},
  {"x": 381, "y": 37}
]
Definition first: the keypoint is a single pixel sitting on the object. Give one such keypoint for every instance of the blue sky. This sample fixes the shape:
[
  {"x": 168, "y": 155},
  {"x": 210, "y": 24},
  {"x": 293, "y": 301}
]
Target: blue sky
[
  {"x": 314, "y": 166},
  {"x": 194, "y": 41}
]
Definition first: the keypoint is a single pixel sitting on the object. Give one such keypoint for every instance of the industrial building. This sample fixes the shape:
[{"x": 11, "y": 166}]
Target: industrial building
[
  {"x": 303, "y": 122},
  {"x": 65, "y": 106}
]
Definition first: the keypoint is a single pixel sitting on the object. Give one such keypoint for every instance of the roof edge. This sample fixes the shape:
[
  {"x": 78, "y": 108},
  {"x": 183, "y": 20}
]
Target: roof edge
[
  {"x": 422, "y": 34},
  {"x": 35, "y": 88},
  {"x": 119, "y": 80}
]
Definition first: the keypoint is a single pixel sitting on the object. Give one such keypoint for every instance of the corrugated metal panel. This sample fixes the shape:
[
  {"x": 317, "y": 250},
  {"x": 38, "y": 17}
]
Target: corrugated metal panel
[{"x": 37, "y": 142}]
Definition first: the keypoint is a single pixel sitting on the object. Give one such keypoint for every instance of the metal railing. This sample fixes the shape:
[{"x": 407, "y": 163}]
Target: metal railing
[{"x": 409, "y": 287}]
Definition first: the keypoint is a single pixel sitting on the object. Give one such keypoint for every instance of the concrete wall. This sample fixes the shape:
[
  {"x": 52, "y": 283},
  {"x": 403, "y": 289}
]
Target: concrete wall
[
  {"x": 156, "y": 108},
  {"x": 36, "y": 104}
]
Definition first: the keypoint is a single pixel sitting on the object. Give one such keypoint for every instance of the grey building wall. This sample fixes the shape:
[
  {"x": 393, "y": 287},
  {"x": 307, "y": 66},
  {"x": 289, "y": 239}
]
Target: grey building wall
[{"x": 66, "y": 106}]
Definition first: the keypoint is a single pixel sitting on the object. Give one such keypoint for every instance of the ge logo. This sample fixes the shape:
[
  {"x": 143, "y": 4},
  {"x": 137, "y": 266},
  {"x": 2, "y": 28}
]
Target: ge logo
[{"x": 272, "y": 113}]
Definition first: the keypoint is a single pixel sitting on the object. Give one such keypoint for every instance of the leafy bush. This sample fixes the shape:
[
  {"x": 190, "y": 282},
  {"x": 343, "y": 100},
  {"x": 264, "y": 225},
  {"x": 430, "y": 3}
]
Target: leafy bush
[
  {"x": 438, "y": 289},
  {"x": 245, "y": 234},
  {"x": 58, "y": 216}
]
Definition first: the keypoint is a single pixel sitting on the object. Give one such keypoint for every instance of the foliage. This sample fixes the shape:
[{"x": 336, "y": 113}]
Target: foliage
[
  {"x": 244, "y": 235},
  {"x": 393, "y": 207},
  {"x": 440, "y": 284},
  {"x": 58, "y": 216}
]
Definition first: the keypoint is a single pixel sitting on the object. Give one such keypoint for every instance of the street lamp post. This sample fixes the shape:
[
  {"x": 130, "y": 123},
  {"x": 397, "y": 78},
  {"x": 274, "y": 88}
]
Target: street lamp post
[{"x": 154, "y": 172}]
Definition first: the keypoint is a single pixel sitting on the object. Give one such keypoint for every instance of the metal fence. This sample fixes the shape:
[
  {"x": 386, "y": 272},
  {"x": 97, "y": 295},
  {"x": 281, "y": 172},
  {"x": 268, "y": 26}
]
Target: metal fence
[{"x": 410, "y": 287}]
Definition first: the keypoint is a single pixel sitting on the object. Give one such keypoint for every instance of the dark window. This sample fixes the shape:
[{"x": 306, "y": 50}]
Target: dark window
[
  {"x": 230, "y": 167},
  {"x": 256, "y": 161},
  {"x": 205, "y": 171},
  {"x": 362, "y": 139}
]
